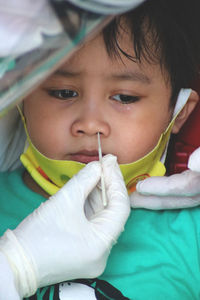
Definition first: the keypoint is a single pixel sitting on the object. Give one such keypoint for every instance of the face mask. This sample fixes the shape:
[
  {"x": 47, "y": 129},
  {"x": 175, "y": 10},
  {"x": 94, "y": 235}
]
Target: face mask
[{"x": 52, "y": 174}]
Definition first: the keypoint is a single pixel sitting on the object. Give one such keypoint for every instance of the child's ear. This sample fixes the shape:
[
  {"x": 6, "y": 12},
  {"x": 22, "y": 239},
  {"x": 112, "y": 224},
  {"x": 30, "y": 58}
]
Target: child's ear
[{"x": 186, "y": 111}]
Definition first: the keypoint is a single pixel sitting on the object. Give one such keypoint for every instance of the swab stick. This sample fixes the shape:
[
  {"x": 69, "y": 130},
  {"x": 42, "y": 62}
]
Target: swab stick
[{"x": 102, "y": 177}]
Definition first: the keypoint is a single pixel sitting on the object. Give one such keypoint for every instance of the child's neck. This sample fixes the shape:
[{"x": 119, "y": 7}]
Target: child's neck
[{"x": 32, "y": 185}]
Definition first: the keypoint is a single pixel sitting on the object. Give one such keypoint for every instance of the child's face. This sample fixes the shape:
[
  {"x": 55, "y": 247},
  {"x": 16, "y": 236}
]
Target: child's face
[{"x": 128, "y": 103}]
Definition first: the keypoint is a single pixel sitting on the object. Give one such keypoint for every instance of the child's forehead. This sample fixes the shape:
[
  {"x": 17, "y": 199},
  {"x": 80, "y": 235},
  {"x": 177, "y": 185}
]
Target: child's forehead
[
  {"x": 115, "y": 69},
  {"x": 93, "y": 58}
]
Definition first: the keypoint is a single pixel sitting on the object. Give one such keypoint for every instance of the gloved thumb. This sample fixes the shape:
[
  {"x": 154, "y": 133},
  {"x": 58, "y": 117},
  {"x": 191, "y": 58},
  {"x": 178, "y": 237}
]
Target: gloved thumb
[
  {"x": 194, "y": 161},
  {"x": 80, "y": 185},
  {"x": 113, "y": 218}
]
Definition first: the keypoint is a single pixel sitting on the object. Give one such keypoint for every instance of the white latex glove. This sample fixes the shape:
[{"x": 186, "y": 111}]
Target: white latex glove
[
  {"x": 175, "y": 191},
  {"x": 8, "y": 289},
  {"x": 12, "y": 140},
  {"x": 57, "y": 242}
]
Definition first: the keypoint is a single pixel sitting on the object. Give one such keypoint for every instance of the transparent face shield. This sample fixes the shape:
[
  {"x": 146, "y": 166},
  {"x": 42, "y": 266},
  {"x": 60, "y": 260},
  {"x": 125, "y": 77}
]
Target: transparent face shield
[{"x": 38, "y": 36}]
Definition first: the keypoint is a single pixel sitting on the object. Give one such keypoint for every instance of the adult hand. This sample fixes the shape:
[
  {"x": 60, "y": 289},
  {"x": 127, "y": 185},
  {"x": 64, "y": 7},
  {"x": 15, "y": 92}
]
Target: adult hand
[
  {"x": 172, "y": 192},
  {"x": 8, "y": 288},
  {"x": 57, "y": 242}
]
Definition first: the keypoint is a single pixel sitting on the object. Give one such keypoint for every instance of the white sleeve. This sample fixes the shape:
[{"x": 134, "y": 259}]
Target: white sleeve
[
  {"x": 12, "y": 140},
  {"x": 8, "y": 289}
]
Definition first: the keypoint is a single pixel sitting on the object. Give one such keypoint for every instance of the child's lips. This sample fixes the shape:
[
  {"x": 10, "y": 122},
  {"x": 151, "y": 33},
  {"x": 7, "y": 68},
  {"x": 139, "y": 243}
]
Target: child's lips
[{"x": 85, "y": 156}]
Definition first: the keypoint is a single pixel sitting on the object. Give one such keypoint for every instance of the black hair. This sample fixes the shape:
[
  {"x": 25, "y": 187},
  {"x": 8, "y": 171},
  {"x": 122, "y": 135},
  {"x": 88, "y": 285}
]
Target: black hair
[{"x": 174, "y": 30}]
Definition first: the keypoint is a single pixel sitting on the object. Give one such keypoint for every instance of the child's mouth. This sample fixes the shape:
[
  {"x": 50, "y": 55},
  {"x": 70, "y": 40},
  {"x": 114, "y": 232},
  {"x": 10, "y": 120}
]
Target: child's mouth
[{"x": 85, "y": 156}]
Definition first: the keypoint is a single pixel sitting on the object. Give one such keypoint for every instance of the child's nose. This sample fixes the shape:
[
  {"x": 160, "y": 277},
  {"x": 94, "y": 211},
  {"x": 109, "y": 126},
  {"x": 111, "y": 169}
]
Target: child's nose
[{"x": 90, "y": 125}]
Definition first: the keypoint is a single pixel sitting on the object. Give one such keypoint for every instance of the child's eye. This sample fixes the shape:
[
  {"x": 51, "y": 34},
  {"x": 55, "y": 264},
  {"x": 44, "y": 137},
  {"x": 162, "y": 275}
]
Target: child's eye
[
  {"x": 63, "y": 94},
  {"x": 125, "y": 99}
]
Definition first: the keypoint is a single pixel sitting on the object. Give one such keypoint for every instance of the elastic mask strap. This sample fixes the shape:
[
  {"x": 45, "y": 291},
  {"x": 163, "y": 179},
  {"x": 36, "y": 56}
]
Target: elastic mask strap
[{"x": 182, "y": 99}]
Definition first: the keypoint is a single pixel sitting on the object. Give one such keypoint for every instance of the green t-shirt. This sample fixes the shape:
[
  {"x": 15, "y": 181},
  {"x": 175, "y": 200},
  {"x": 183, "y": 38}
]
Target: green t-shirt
[{"x": 156, "y": 257}]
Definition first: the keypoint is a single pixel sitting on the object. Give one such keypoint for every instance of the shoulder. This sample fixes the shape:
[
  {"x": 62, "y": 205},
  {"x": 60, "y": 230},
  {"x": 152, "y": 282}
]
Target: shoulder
[
  {"x": 166, "y": 225},
  {"x": 11, "y": 177},
  {"x": 16, "y": 200}
]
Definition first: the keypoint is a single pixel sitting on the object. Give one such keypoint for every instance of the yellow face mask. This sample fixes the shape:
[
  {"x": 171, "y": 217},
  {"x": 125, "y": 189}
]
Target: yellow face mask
[{"x": 52, "y": 174}]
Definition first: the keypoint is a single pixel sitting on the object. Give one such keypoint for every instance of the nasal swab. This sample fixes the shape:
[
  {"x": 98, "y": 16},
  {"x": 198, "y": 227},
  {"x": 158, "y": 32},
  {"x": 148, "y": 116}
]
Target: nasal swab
[{"x": 102, "y": 177}]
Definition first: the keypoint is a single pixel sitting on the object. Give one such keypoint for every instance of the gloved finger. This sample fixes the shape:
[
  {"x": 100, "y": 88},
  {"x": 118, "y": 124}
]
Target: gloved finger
[
  {"x": 94, "y": 202},
  {"x": 194, "y": 161},
  {"x": 165, "y": 202},
  {"x": 184, "y": 184},
  {"x": 113, "y": 218},
  {"x": 68, "y": 203},
  {"x": 80, "y": 185},
  {"x": 114, "y": 183}
]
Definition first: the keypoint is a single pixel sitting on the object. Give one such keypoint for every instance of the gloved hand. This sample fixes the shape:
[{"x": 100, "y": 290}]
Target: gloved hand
[
  {"x": 8, "y": 289},
  {"x": 57, "y": 242},
  {"x": 172, "y": 192}
]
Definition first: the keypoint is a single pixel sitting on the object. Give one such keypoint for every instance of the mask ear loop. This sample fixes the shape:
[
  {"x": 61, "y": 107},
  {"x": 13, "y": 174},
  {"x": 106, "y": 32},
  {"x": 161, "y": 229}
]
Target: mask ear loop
[
  {"x": 102, "y": 176},
  {"x": 182, "y": 99},
  {"x": 21, "y": 113},
  {"x": 19, "y": 108}
]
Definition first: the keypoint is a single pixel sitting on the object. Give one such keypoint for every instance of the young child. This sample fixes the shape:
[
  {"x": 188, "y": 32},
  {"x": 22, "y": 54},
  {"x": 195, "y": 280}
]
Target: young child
[{"x": 123, "y": 84}]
